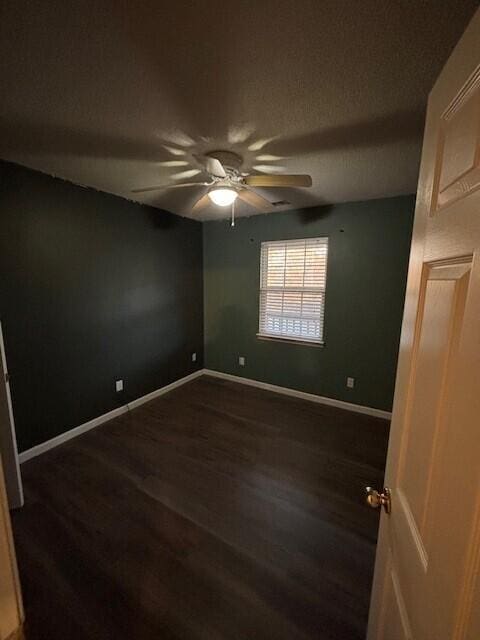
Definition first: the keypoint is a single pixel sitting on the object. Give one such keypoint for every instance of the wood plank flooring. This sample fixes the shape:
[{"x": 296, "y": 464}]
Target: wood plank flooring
[{"x": 217, "y": 511}]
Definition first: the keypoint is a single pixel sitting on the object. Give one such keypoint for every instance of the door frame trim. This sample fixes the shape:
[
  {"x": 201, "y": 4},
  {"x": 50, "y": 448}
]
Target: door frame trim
[{"x": 19, "y": 501}]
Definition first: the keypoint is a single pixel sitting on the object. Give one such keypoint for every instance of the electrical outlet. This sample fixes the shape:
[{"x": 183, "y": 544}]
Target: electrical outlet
[
  {"x": 194, "y": 357},
  {"x": 350, "y": 383},
  {"x": 118, "y": 385},
  {"x": 241, "y": 361}
]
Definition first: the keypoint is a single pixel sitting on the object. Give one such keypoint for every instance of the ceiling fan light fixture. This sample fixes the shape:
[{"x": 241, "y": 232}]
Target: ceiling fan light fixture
[{"x": 222, "y": 197}]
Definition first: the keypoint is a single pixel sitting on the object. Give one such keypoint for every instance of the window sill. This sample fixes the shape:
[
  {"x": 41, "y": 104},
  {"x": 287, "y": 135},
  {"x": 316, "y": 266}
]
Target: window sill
[{"x": 284, "y": 339}]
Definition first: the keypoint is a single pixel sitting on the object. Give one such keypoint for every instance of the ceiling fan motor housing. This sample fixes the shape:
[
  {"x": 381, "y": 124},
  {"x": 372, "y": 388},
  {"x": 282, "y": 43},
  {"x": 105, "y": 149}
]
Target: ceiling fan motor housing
[{"x": 229, "y": 159}]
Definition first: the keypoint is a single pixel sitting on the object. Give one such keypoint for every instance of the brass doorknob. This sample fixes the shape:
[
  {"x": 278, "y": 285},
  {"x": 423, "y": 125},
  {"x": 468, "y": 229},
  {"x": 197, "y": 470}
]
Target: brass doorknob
[{"x": 377, "y": 500}]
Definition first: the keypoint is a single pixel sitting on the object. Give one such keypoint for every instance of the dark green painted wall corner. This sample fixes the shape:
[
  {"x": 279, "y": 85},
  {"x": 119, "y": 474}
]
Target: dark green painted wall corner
[{"x": 369, "y": 244}]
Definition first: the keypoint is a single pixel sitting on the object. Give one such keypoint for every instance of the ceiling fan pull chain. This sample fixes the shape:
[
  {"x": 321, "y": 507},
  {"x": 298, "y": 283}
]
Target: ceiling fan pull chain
[{"x": 232, "y": 224}]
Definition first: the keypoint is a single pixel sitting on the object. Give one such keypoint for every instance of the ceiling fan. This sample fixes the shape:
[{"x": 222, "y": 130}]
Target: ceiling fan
[{"x": 227, "y": 182}]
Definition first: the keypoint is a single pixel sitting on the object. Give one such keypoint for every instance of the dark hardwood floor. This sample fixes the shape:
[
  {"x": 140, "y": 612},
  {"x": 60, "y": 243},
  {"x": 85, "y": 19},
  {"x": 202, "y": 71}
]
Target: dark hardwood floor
[{"x": 217, "y": 511}]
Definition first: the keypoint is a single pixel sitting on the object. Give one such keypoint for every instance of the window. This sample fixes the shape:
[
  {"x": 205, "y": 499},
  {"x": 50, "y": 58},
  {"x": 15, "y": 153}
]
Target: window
[{"x": 293, "y": 276}]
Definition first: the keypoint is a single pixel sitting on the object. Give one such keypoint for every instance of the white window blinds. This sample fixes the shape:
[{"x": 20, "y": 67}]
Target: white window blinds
[{"x": 293, "y": 276}]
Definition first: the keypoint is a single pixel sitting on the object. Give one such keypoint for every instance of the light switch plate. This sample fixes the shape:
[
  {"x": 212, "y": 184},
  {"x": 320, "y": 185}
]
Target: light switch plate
[{"x": 119, "y": 385}]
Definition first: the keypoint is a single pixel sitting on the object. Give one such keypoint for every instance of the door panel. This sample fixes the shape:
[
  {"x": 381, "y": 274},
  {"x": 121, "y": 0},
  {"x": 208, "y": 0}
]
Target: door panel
[
  {"x": 434, "y": 335},
  {"x": 422, "y": 507},
  {"x": 457, "y": 172},
  {"x": 427, "y": 576},
  {"x": 397, "y": 622}
]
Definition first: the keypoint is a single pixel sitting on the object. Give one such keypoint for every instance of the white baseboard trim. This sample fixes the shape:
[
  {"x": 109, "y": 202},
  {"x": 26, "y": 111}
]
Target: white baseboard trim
[
  {"x": 91, "y": 424},
  {"x": 169, "y": 387},
  {"x": 71, "y": 433},
  {"x": 348, "y": 406}
]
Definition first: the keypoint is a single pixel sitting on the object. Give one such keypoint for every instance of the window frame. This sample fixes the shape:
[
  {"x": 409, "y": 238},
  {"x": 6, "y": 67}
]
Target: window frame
[{"x": 317, "y": 342}]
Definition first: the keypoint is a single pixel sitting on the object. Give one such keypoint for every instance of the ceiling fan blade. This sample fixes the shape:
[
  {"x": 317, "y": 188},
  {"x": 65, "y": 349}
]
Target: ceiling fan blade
[
  {"x": 255, "y": 200},
  {"x": 201, "y": 203},
  {"x": 282, "y": 180},
  {"x": 213, "y": 166},
  {"x": 170, "y": 186}
]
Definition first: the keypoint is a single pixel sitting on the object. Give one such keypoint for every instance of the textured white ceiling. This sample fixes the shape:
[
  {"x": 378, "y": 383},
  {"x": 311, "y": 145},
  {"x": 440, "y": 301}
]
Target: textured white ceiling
[{"x": 104, "y": 93}]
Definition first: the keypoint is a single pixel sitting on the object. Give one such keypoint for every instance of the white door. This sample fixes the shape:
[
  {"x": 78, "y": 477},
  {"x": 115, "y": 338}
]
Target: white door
[
  {"x": 427, "y": 575},
  {"x": 8, "y": 443}
]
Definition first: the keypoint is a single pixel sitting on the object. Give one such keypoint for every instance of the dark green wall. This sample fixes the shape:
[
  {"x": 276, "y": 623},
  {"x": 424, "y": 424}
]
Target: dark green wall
[
  {"x": 93, "y": 288},
  {"x": 368, "y": 257}
]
